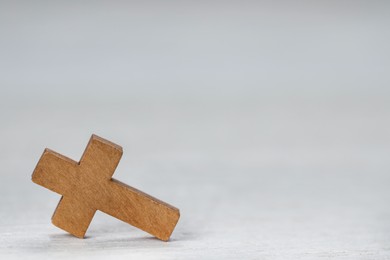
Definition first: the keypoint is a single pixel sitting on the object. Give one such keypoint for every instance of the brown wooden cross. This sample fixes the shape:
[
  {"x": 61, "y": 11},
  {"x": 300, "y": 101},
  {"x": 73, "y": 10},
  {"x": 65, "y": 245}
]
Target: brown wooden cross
[{"x": 87, "y": 186}]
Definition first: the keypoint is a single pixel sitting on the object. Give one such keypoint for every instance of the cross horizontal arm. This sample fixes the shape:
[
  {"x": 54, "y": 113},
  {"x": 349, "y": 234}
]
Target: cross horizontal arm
[
  {"x": 73, "y": 216},
  {"x": 100, "y": 158}
]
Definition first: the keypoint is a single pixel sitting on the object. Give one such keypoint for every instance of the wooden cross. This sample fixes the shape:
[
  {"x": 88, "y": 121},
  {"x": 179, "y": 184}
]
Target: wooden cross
[{"x": 87, "y": 186}]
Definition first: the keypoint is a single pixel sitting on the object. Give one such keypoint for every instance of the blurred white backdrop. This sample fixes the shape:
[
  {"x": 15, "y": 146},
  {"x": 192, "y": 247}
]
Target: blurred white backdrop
[{"x": 265, "y": 122}]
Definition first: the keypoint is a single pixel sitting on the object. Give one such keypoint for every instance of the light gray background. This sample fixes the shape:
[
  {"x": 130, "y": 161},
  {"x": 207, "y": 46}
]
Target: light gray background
[{"x": 266, "y": 123}]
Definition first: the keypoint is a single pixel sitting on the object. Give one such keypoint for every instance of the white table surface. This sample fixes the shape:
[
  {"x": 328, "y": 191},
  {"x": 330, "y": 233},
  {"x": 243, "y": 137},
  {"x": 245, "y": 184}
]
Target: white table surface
[{"x": 299, "y": 182}]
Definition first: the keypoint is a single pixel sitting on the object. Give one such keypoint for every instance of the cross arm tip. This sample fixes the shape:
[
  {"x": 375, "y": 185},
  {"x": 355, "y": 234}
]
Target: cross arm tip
[
  {"x": 35, "y": 176},
  {"x": 99, "y": 139}
]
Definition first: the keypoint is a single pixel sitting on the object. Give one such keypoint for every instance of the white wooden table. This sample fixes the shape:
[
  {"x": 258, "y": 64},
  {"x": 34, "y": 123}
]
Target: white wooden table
[{"x": 300, "y": 182}]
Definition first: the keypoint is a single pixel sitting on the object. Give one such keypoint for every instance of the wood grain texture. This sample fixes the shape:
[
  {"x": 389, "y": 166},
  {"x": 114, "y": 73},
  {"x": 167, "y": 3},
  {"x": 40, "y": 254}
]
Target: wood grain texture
[{"x": 87, "y": 186}]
